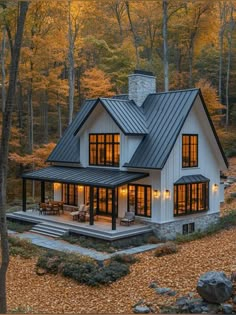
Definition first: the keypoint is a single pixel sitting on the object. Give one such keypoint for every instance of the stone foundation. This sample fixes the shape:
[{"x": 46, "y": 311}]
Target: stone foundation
[{"x": 168, "y": 231}]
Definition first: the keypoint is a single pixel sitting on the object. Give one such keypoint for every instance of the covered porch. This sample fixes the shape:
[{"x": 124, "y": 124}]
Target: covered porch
[{"x": 106, "y": 182}]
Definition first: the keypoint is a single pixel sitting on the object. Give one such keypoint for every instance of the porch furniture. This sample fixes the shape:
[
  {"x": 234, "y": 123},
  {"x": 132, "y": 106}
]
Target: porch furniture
[
  {"x": 128, "y": 218},
  {"x": 42, "y": 208},
  {"x": 75, "y": 214}
]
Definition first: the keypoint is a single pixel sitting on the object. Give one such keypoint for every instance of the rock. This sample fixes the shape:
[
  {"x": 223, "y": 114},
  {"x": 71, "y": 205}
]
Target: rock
[
  {"x": 171, "y": 293},
  {"x": 162, "y": 290},
  {"x": 40, "y": 271},
  {"x": 227, "y": 308},
  {"x": 214, "y": 287},
  {"x": 182, "y": 301},
  {"x": 141, "y": 309},
  {"x": 153, "y": 285}
]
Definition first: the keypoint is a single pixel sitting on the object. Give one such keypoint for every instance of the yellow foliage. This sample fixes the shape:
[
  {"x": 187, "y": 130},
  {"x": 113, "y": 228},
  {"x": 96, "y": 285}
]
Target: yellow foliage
[
  {"x": 37, "y": 158},
  {"x": 96, "y": 83}
]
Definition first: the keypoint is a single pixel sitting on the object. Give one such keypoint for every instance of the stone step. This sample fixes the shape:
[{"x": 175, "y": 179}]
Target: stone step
[{"x": 49, "y": 229}]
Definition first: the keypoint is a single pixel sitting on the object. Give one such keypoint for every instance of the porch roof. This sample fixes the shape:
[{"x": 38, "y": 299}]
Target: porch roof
[
  {"x": 192, "y": 179},
  {"x": 98, "y": 177}
]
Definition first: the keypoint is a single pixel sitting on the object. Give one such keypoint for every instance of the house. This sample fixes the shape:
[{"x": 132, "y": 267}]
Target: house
[{"x": 156, "y": 154}]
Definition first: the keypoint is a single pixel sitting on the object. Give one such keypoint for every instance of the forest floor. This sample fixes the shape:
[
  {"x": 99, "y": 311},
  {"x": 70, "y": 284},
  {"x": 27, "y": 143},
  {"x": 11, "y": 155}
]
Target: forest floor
[{"x": 31, "y": 293}]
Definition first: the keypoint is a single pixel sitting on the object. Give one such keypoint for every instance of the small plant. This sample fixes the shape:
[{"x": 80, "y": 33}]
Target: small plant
[
  {"x": 21, "y": 310},
  {"x": 23, "y": 248},
  {"x": 19, "y": 227},
  {"x": 153, "y": 240},
  {"x": 82, "y": 269},
  {"x": 125, "y": 259},
  {"x": 166, "y": 249}
]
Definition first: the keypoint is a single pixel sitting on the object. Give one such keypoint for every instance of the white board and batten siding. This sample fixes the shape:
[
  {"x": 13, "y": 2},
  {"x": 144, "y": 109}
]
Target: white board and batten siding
[{"x": 209, "y": 163}]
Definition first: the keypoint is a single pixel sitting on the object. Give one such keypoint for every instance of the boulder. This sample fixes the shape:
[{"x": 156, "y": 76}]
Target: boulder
[
  {"x": 141, "y": 309},
  {"x": 214, "y": 287}
]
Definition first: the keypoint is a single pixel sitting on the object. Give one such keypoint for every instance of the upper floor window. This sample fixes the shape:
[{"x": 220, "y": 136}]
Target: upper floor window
[
  {"x": 104, "y": 149},
  {"x": 189, "y": 150}
]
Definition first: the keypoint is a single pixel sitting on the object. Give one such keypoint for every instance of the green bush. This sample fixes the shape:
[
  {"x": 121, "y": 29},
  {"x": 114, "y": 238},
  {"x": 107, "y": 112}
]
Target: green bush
[
  {"x": 83, "y": 269},
  {"x": 166, "y": 249},
  {"x": 124, "y": 259},
  {"x": 22, "y": 248},
  {"x": 19, "y": 227}
]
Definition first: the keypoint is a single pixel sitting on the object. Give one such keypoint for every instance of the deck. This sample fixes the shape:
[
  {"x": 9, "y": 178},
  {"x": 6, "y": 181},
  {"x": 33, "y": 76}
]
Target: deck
[{"x": 101, "y": 229}]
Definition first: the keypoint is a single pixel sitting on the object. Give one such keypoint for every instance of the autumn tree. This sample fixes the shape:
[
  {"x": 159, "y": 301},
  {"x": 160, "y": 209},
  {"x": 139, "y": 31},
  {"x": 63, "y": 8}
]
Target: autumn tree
[{"x": 4, "y": 148}]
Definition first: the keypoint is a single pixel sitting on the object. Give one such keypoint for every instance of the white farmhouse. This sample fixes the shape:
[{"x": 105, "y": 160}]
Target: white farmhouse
[{"x": 155, "y": 154}]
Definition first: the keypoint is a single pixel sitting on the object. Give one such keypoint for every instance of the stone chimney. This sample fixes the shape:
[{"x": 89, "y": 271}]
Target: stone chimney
[{"x": 141, "y": 84}]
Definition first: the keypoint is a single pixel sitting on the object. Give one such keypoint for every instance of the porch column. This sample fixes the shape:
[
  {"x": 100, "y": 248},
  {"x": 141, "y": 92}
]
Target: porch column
[
  {"x": 113, "y": 209},
  {"x": 42, "y": 191},
  {"x": 91, "y": 217},
  {"x": 24, "y": 195}
]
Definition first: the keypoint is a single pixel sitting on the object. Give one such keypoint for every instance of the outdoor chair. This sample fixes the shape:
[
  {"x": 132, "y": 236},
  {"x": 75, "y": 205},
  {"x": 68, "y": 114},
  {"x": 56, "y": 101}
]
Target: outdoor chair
[
  {"x": 42, "y": 208},
  {"x": 75, "y": 214},
  {"x": 128, "y": 218}
]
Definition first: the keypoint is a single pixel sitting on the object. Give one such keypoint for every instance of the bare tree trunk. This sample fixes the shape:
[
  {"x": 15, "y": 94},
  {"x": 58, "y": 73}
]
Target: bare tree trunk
[
  {"x": 4, "y": 149},
  {"x": 222, "y": 8},
  {"x": 59, "y": 120},
  {"x": 165, "y": 45},
  {"x": 135, "y": 37},
  {"x": 20, "y": 106},
  {"x": 229, "y": 38},
  {"x": 71, "y": 77},
  {"x": 45, "y": 118},
  {"x": 30, "y": 121},
  {"x": 3, "y": 68}
]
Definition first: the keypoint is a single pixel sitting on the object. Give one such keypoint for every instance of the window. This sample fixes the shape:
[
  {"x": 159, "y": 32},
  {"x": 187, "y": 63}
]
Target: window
[
  {"x": 139, "y": 199},
  {"x": 188, "y": 228},
  {"x": 104, "y": 149},
  {"x": 191, "y": 198},
  {"x": 189, "y": 150},
  {"x": 70, "y": 194}
]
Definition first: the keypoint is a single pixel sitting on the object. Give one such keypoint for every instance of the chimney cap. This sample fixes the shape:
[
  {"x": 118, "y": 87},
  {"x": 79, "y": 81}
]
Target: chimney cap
[{"x": 143, "y": 72}]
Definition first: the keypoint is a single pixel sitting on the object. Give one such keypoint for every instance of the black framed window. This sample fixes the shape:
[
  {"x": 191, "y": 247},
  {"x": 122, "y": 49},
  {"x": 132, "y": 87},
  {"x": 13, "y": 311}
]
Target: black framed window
[
  {"x": 188, "y": 228},
  {"x": 189, "y": 150},
  {"x": 70, "y": 194},
  {"x": 139, "y": 200},
  {"x": 102, "y": 200},
  {"x": 191, "y": 198},
  {"x": 104, "y": 149}
]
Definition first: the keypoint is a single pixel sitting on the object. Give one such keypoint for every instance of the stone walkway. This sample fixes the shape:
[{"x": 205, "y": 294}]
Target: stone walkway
[{"x": 59, "y": 245}]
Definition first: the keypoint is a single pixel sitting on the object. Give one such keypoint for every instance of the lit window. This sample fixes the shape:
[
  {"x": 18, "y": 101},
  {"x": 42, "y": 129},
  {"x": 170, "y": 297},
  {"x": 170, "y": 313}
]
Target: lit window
[
  {"x": 139, "y": 200},
  {"x": 191, "y": 198},
  {"x": 104, "y": 149},
  {"x": 189, "y": 150}
]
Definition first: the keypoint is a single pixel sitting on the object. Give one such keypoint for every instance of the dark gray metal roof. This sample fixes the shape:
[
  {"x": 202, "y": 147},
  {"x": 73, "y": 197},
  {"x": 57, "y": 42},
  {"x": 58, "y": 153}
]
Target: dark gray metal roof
[
  {"x": 165, "y": 115},
  {"x": 128, "y": 116},
  {"x": 125, "y": 113},
  {"x": 84, "y": 176},
  {"x": 121, "y": 96},
  {"x": 67, "y": 150},
  {"x": 192, "y": 179}
]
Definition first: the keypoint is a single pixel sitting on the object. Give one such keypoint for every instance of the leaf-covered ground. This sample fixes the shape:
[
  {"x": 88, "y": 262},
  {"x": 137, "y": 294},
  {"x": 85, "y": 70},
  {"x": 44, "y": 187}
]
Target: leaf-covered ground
[{"x": 180, "y": 271}]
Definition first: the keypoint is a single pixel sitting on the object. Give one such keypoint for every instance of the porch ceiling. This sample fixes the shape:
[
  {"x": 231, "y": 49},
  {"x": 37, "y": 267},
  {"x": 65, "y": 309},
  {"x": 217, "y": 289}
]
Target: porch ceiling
[{"x": 97, "y": 177}]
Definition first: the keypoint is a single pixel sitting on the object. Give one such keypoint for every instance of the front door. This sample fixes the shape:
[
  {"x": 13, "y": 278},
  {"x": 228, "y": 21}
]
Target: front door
[{"x": 102, "y": 201}]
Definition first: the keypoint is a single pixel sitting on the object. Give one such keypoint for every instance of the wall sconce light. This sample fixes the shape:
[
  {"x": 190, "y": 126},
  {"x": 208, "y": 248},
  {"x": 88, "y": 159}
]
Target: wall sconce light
[
  {"x": 215, "y": 187},
  {"x": 123, "y": 190},
  {"x": 56, "y": 185},
  {"x": 167, "y": 194},
  {"x": 156, "y": 193},
  {"x": 80, "y": 188}
]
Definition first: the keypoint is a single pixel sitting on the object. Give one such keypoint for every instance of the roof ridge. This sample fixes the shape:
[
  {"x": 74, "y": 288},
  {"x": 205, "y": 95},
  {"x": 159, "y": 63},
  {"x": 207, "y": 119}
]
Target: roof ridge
[
  {"x": 174, "y": 91},
  {"x": 113, "y": 99}
]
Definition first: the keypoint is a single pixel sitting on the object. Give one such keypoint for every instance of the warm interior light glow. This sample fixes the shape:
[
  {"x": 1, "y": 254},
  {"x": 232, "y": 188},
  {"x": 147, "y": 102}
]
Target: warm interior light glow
[
  {"x": 167, "y": 194},
  {"x": 215, "y": 187},
  {"x": 56, "y": 185},
  {"x": 123, "y": 190},
  {"x": 156, "y": 193},
  {"x": 80, "y": 188}
]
